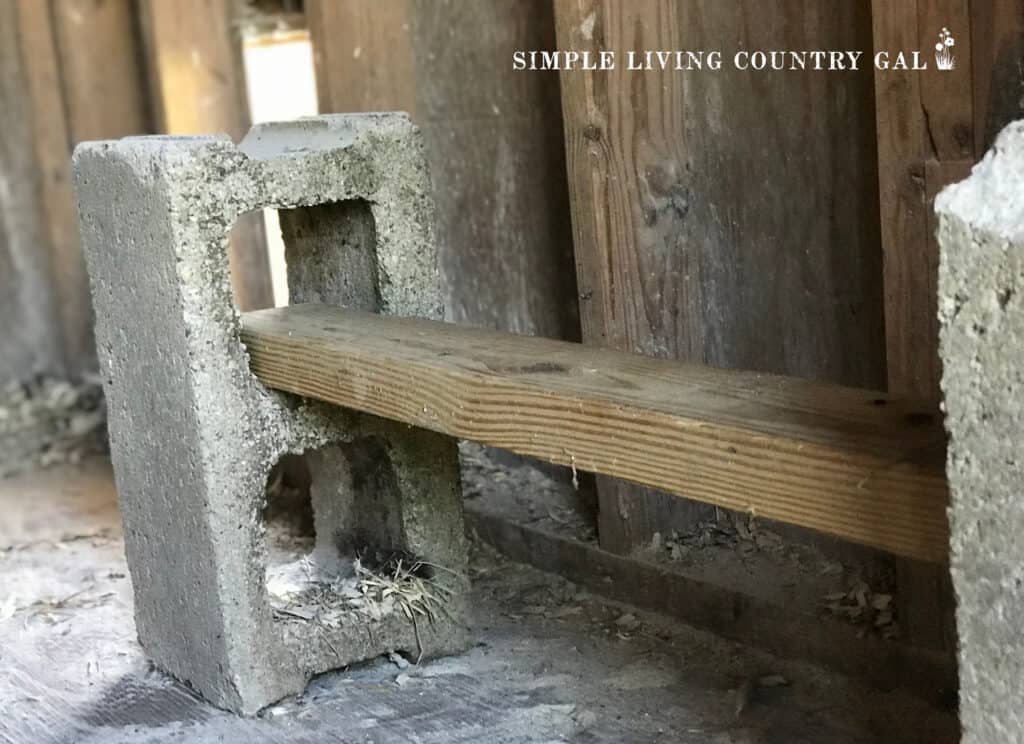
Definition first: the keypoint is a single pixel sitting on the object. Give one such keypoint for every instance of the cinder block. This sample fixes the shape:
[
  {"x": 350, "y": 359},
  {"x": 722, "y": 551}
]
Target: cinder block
[
  {"x": 194, "y": 434},
  {"x": 981, "y": 308}
]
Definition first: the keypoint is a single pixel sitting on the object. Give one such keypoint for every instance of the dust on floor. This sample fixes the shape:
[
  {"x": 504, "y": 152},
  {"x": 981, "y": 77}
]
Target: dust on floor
[{"x": 551, "y": 663}]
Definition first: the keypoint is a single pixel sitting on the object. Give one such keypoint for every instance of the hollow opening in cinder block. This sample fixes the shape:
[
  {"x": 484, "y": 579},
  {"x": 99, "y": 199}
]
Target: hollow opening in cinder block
[
  {"x": 256, "y": 261},
  {"x": 322, "y": 253},
  {"x": 288, "y": 514},
  {"x": 281, "y": 86},
  {"x": 348, "y": 563},
  {"x": 330, "y": 250}
]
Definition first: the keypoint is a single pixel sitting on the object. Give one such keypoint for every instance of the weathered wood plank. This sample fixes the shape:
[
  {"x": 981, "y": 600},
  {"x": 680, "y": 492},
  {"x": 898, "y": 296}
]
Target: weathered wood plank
[
  {"x": 849, "y": 462},
  {"x": 45, "y": 109},
  {"x": 78, "y": 66},
  {"x": 198, "y": 84},
  {"x": 925, "y": 129},
  {"x": 946, "y": 103}
]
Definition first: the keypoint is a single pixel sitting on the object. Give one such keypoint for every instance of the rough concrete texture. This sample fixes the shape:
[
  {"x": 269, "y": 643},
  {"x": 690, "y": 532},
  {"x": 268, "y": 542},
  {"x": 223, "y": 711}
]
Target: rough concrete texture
[
  {"x": 194, "y": 434},
  {"x": 981, "y": 280}
]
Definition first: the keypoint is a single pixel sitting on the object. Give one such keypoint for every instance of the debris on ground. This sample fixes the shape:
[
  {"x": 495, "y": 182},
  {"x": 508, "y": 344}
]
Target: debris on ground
[
  {"x": 46, "y": 421},
  {"x": 738, "y": 532},
  {"x": 564, "y": 674},
  {"x": 541, "y": 499},
  {"x": 350, "y": 592},
  {"x": 861, "y": 605},
  {"x": 398, "y": 660},
  {"x": 871, "y": 606}
]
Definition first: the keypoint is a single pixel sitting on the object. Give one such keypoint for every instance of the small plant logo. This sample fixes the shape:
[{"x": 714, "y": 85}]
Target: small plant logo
[{"x": 944, "y": 58}]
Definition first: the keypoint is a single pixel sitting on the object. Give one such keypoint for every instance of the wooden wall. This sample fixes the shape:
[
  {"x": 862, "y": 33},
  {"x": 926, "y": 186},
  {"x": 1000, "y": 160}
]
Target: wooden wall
[
  {"x": 493, "y": 139},
  {"x": 75, "y": 70},
  {"x": 58, "y": 86},
  {"x": 684, "y": 170},
  {"x": 727, "y": 218}
]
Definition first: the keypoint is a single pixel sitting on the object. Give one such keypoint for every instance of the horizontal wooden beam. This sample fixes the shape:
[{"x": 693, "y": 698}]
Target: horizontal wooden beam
[{"x": 853, "y": 463}]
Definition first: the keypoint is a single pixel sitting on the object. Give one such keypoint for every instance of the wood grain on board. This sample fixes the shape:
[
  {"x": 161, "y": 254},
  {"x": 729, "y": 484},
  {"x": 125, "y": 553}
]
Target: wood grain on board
[{"x": 852, "y": 463}]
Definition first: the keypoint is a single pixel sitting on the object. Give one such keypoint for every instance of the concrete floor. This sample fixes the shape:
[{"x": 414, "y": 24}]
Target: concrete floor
[{"x": 551, "y": 663}]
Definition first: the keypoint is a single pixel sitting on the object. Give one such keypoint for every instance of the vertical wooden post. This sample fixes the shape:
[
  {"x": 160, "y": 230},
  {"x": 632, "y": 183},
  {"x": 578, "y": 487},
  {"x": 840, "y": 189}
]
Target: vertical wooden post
[
  {"x": 30, "y": 327},
  {"x": 726, "y": 217},
  {"x": 352, "y": 40},
  {"x": 920, "y": 117},
  {"x": 198, "y": 86},
  {"x": 103, "y": 91},
  {"x": 932, "y": 125}
]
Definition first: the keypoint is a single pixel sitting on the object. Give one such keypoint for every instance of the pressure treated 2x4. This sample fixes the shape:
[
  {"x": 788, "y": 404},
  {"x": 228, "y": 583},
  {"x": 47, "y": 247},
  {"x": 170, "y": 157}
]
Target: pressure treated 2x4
[{"x": 853, "y": 463}]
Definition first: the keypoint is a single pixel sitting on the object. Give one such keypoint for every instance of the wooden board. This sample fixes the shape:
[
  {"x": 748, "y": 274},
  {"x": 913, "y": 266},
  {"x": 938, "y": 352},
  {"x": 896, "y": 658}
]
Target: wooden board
[
  {"x": 931, "y": 125},
  {"x": 927, "y": 132},
  {"x": 852, "y": 463},
  {"x": 198, "y": 84},
  {"x": 717, "y": 216}
]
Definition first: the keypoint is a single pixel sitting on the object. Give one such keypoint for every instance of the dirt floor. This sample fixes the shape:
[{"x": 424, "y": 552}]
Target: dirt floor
[{"x": 551, "y": 662}]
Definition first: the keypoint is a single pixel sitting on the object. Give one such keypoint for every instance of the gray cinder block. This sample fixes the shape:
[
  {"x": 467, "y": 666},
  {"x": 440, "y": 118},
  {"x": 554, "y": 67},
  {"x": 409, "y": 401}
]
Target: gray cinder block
[
  {"x": 194, "y": 434},
  {"x": 981, "y": 308}
]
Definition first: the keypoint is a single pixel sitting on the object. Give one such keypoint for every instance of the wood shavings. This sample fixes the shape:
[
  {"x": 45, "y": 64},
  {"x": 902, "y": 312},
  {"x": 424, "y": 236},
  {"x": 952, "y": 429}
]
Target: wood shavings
[
  {"x": 350, "y": 593},
  {"x": 398, "y": 660}
]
